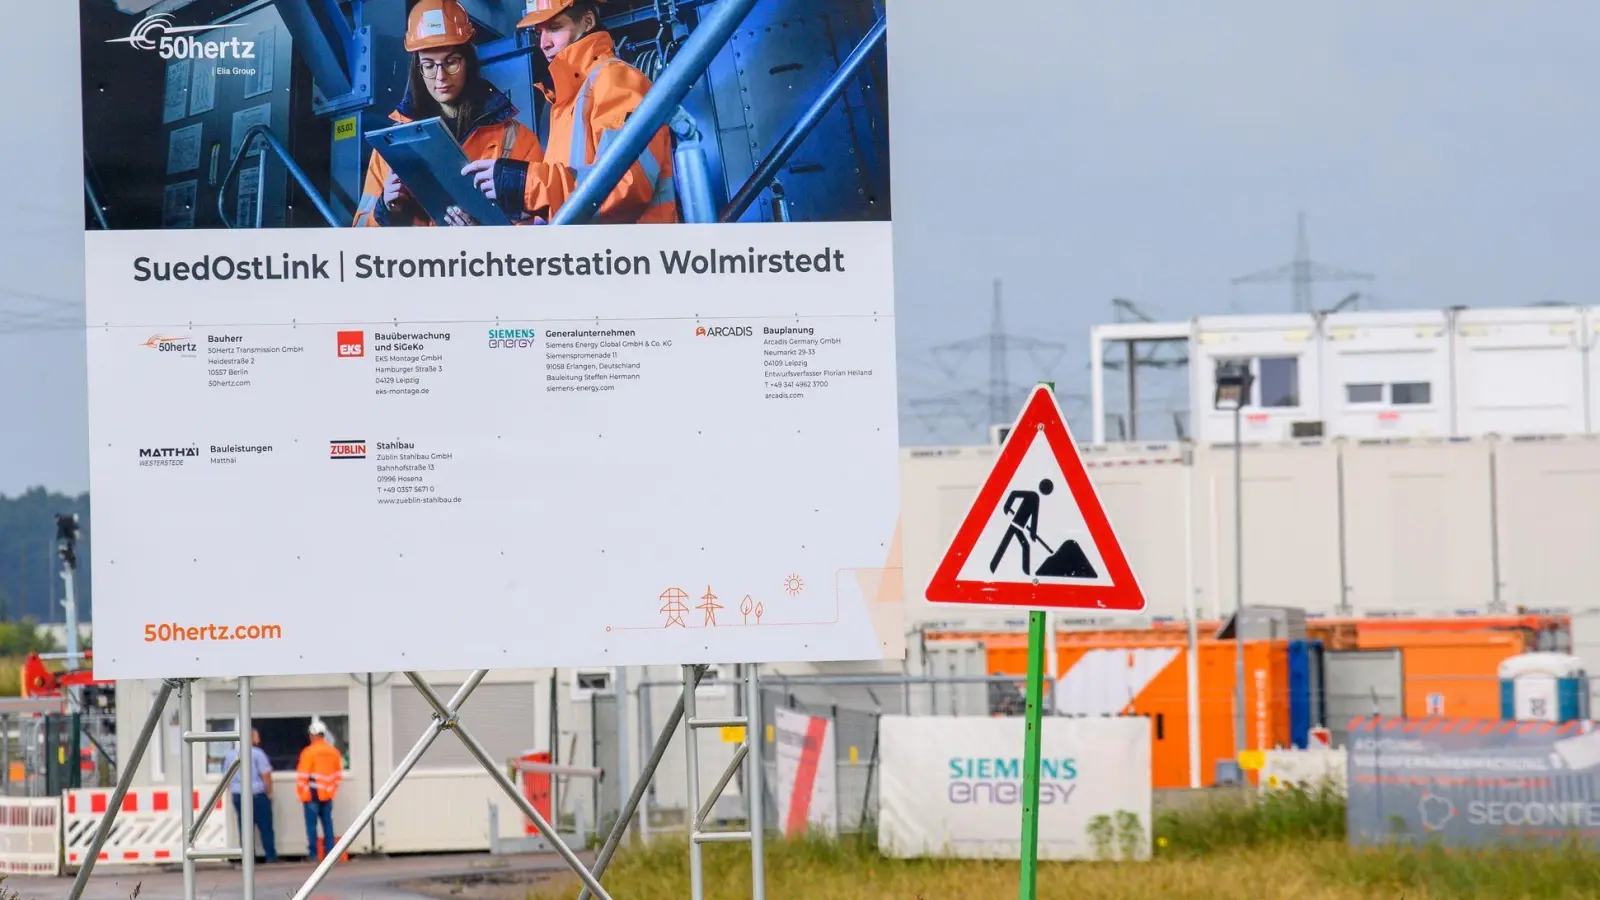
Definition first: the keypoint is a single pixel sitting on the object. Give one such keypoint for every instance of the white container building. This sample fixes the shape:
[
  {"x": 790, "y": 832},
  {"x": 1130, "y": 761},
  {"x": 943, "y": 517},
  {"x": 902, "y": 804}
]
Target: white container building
[{"x": 1443, "y": 373}]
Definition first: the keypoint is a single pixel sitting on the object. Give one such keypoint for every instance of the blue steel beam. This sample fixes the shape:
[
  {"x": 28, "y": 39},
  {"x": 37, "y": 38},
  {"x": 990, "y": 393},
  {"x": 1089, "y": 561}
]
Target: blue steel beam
[
  {"x": 802, "y": 128},
  {"x": 659, "y": 105},
  {"x": 323, "y": 38},
  {"x": 299, "y": 175}
]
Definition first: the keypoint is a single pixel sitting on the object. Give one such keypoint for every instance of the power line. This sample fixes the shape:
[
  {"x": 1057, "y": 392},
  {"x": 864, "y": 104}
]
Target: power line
[
  {"x": 1302, "y": 272},
  {"x": 997, "y": 400}
]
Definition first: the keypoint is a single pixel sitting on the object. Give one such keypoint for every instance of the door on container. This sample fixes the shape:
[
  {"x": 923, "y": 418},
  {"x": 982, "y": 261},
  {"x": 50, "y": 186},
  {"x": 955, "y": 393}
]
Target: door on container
[
  {"x": 607, "y": 790},
  {"x": 1361, "y": 683}
]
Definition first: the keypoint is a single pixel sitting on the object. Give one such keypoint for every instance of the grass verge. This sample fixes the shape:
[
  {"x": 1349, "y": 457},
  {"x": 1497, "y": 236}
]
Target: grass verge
[{"x": 1287, "y": 846}]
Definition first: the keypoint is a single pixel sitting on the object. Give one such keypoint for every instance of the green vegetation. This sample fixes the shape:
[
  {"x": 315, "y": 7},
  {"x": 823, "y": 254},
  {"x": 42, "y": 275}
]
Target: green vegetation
[
  {"x": 28, "y": 564},
  {"x": 1286, "y": 845}
]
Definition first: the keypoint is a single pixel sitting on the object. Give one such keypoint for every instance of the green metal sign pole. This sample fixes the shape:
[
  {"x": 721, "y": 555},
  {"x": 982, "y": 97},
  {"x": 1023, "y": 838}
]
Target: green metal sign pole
[
  {"x": 1030, "y": 758},
  {"x": 1033, "y": 715}
]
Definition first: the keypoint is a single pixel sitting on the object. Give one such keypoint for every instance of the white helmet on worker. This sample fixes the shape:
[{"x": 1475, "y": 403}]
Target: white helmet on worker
[{"x": 319, "y": 729}]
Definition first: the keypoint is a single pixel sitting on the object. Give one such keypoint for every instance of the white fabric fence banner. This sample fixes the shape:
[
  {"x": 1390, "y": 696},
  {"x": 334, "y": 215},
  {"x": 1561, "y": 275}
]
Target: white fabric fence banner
[
  {"x": 807, "y": 791},
  {"x": 952, "y": 787}
]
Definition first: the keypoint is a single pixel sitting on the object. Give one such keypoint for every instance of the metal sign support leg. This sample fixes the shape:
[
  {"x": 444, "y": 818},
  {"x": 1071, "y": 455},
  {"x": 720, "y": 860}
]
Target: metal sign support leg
[
  {"x": 640, "y": 787},
  {"x": 748, "y": 752},
  {"x": 240, "y": 735},
  {"x": 446, "y": 716},
  {"x": 130, "y": 765}
]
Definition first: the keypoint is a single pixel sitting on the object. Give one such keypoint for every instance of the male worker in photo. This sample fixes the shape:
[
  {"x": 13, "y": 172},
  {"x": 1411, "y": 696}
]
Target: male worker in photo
[
  {"x": 261, "y": 791},
  {"x": 593, "y": 93},
  {"x": 317, "y": 781}
]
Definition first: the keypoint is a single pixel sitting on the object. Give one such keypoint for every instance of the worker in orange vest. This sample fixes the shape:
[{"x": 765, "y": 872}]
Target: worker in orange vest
[
  {"x": 317, "y": 781},
  {"x": 445, "y": 81},
  {"x": 593, "y": 93}
]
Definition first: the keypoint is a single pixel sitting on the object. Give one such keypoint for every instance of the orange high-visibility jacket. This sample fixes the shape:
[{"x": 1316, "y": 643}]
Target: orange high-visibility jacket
[
  {"x": 594, "y": 93},
  {"x": 320, "y": 770},
  {"x": 495, "y": 133}
]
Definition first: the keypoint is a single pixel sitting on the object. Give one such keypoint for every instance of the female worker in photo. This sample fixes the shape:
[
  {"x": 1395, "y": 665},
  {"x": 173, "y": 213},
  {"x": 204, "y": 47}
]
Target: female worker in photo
[{"x": 446, "y": 81}]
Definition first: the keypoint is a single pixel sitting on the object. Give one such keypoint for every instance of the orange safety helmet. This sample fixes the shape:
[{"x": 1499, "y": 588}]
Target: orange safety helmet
[
  {"x": 542, "y": 11},
  {"x": 437, "y": 23}
]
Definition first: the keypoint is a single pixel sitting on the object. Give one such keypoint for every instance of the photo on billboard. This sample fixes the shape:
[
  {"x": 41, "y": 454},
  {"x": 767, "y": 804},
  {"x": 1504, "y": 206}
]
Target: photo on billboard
[
  {"x": 480, "y": 101},
  {"x": 387, "y": 446}
]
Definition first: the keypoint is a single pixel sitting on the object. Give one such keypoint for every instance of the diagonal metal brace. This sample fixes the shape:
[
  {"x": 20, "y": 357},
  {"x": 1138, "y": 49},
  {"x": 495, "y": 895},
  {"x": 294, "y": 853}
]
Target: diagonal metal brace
[
  {"x": 618, "y": 830},
  {"x": 216, "y": 797},
  {"x": 722, "y": 784},
  {"x": 547, "y": 830},
  {"x": 442, "y": 713}
]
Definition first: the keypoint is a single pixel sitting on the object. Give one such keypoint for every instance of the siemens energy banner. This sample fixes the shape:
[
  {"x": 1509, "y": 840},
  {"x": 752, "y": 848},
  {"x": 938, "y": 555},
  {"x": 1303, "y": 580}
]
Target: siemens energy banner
[
  {"x": 952, "y": 787},
  {"x": 433, "y": 336}
]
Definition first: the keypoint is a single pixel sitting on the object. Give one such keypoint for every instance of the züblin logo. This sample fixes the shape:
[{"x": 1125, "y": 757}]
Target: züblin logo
[
  {"x": 998, "y": 780},
  {"x": 171, "y": 41},
  {"x": 510, "y": 338},
  {"x": 724, "y": 331}
]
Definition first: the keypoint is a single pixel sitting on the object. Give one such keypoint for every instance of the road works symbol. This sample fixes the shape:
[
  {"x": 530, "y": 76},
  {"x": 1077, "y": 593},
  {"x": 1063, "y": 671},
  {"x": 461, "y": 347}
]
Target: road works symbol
[{"x": 1036, "y": 535}]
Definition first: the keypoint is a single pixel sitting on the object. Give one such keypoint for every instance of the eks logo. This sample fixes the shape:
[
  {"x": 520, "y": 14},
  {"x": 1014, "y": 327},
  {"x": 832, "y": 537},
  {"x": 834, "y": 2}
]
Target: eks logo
[{"x": 352, "y": 344}]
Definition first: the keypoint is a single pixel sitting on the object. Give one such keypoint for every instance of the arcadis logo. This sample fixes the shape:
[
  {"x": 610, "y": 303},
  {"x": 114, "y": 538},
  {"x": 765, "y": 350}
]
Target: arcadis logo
[
  {"x": 165, "y": 344},
  {"x": 998, "y": 780},
  {"x": 352, "y": 344},
  {"x": 724, "y": 331},
  {"x": 172, "y": 41}
]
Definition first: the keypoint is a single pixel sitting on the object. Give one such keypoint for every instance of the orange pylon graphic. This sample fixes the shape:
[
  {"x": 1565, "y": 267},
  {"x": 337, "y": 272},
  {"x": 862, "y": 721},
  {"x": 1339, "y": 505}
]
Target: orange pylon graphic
[
  {"x": 709, "y": 606},
  {"x": 674, "y": 607}
]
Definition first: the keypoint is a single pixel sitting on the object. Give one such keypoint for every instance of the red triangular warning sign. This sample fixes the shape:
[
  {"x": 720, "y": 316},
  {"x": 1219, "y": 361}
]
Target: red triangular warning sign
[{"x": 1036, "y": 535}]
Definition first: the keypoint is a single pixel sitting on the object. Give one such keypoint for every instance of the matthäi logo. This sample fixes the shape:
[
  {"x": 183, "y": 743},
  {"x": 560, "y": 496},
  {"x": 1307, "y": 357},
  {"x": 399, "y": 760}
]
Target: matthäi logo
[{"x": 172, "y": 41}]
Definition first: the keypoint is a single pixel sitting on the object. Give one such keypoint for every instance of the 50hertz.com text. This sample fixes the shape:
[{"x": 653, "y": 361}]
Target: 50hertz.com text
[{"x": 168, "y": 632}]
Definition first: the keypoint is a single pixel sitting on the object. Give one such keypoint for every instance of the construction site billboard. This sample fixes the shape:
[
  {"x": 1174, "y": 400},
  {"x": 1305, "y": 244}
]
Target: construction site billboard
[{"x": 361, "y": 399}]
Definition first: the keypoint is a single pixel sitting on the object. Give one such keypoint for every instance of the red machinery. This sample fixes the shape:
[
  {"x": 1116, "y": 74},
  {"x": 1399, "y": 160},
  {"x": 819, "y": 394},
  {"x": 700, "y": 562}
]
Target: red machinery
[{"x": 39, "y": 681}]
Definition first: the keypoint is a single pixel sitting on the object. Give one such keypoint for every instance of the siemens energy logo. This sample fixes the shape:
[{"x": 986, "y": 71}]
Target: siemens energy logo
[
  {"x": 172, "y": 41},
  {"x": 513, "y": 338},
  {"x": 998, "y": 780}
]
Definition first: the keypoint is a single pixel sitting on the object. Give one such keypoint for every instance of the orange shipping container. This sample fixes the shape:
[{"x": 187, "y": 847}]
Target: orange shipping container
[
  {"x": 1450, "y": 674},
  {"x": 1151, "y": 678}
]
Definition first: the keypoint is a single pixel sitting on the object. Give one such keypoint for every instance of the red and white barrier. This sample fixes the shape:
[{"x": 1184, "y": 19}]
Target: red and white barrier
[
  {"x": 147, "y": 830},
  {"x": 30, "y": 835}
]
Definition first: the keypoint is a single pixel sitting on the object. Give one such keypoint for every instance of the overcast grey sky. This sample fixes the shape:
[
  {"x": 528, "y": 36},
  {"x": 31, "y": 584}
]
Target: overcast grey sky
[{"x": 1079, "y": 151}]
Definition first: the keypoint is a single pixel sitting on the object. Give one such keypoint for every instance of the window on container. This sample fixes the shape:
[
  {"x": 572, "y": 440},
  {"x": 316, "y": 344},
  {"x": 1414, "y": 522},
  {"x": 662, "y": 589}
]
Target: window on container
[
  {"x": 1411, "y": 393},
  {"x": 1363, "y": 393},
  {"x": 1278, "y": 381},
  {"x": 282, "y": 739}
]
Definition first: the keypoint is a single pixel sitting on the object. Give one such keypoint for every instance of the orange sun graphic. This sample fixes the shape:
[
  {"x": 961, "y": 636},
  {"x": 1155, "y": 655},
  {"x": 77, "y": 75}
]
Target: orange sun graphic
[{"x": 794, "y": 585}]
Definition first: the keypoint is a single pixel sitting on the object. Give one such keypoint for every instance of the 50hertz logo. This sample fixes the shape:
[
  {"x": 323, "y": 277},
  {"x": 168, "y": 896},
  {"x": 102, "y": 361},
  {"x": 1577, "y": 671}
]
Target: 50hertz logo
[{"x": 172, "y": 41}]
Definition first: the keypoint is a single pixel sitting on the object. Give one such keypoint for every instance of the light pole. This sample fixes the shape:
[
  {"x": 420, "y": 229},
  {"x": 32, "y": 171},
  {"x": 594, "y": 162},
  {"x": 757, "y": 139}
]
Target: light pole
[
  {"x": 1233, "y": 393},
  {"x": 67, "y": 548}
]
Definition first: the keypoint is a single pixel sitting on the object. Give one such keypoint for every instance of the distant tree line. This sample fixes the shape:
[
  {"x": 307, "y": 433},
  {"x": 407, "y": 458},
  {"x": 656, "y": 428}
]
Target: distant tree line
[{"x": 30, "y": 581}]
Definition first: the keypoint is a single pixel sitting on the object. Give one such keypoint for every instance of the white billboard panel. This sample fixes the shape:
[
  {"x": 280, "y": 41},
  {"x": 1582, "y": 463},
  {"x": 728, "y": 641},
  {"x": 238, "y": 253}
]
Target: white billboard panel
[
  {"x": 330, "y": 435},
  {"x": 952, "y": 787}
]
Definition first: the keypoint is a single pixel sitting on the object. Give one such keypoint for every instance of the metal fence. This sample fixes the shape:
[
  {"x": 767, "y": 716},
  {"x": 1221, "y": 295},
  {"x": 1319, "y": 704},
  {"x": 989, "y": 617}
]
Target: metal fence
[
  {"x": 1195, "y": 743},
  {"x": 1472, "y": 782},
  {"x": 44, "y": 755}
]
